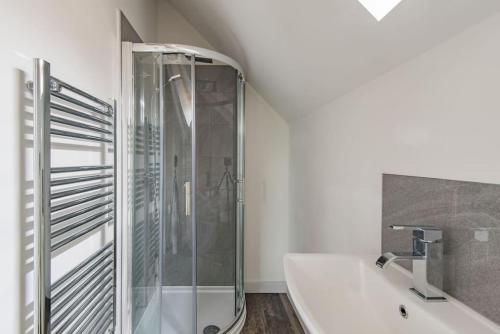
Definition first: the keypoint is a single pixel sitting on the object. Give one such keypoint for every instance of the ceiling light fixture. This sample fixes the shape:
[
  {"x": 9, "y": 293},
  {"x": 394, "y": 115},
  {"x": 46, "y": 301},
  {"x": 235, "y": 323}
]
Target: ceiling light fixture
[{"x": 379, "y": 8}]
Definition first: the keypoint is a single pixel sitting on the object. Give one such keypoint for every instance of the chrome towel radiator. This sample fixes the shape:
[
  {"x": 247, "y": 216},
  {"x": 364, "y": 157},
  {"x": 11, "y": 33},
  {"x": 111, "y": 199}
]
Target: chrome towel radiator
[{"x": 70, "y": 204}]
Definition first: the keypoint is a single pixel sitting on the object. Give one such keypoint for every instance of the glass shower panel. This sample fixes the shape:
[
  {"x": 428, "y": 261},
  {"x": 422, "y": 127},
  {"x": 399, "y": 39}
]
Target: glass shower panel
[
  {"x": 145, "y": 208},
  {"x": 186, "y": 244},
  {"x": 216, "y": 174},
  {"x": 240, "y": 195},
  {"x": 178, "y": 298}
]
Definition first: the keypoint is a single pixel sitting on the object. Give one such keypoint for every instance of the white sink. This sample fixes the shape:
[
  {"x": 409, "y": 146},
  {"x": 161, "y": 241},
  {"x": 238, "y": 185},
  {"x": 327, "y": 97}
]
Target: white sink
[{"x": 348, "y": 294}]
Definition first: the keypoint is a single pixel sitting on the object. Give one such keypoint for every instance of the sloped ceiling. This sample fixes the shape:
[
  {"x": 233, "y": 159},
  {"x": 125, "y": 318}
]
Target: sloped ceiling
[{"x": 301, "y": 54}]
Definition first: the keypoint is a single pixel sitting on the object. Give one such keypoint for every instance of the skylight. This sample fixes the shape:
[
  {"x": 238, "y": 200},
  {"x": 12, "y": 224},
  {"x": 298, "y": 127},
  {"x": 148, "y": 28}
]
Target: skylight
[{"x": 379, "y": 8}]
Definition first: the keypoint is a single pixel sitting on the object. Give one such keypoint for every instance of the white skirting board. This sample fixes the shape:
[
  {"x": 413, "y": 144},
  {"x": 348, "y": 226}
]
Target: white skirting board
[{"x": 265, "y": 287}]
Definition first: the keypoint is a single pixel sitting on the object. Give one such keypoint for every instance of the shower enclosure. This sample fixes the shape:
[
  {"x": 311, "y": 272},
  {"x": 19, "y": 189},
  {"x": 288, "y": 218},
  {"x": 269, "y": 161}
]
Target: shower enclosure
[{"x": 183, "y": 243}]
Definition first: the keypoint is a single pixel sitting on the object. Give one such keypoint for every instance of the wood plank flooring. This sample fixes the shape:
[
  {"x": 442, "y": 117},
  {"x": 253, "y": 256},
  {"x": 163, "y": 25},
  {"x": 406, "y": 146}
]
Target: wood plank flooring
[{"x": 270, "y": 313}]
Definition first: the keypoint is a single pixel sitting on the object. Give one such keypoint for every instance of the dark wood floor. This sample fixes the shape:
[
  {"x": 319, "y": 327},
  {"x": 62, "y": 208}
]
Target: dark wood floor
[{"x": 270, "y": 313}]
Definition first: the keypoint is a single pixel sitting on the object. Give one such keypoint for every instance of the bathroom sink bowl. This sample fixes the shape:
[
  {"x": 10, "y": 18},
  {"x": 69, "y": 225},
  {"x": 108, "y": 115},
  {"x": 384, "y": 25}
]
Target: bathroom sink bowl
[{"x": 348, "y": 294}]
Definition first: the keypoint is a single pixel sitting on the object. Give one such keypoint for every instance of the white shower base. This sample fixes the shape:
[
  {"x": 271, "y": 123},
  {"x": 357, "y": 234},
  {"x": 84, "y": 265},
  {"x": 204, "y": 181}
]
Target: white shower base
[{"x": 215, "y": 307}]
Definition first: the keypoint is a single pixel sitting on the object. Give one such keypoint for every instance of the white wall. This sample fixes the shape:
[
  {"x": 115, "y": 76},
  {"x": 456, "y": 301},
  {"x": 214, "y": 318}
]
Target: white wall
[
  {"x": 80, "y": 39},
  {"x": 267, "y": 220},
  {"x": 172, "y": 27},
  {"x": 436, "y": 116},
  {"x": 267, "y": 175}
]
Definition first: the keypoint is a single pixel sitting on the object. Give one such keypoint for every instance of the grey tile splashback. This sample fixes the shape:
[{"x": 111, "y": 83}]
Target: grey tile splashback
[{"x": 469, "y": 215}]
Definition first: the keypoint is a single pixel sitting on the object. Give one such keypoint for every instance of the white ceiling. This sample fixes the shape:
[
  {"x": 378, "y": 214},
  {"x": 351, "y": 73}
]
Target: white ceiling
[{"x": 301, "y": 54}]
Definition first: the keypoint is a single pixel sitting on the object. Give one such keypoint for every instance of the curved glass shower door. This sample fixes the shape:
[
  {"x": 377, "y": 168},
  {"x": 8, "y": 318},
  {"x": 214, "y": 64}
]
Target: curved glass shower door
[
  {"x": 216, "y": 156},
  {"x": 178, "y": 268},
  {"x": 186, "y": 248}
]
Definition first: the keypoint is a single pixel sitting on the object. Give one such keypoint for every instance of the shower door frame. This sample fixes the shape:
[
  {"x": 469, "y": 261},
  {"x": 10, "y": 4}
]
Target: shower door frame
[{"x": 126, "y": 157}]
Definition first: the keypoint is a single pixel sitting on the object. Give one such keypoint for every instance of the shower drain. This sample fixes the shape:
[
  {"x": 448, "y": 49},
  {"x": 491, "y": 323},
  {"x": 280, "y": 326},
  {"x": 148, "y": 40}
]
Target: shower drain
[{"x": 211, "y": 329}]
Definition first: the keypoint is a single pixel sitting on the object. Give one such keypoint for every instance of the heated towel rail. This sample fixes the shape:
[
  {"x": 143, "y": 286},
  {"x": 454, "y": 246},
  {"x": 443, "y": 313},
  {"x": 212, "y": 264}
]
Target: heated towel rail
[{"x": 70, "y": 204}]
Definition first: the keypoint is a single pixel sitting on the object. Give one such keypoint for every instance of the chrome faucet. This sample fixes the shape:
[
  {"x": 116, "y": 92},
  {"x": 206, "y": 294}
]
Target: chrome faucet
[{"x": 427, "y": 258}]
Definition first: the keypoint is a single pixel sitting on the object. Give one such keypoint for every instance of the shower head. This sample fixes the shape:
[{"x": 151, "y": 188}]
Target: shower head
[{"x": 174, "y": 77}]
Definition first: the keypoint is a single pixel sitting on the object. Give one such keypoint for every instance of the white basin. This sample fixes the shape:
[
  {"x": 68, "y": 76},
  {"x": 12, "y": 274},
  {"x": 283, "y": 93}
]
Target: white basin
[{"x": 348, "y": 294}]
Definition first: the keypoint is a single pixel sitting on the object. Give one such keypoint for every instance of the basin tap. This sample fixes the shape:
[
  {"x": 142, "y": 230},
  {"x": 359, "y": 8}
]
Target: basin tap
[
  {"x": 388, "y": 257},
  {"x": 427, "y": 259}
]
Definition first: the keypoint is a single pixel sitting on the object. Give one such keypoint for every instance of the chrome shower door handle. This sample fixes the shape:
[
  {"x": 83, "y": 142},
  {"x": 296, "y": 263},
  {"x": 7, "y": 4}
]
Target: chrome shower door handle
[{"x": 187, "y": 197}]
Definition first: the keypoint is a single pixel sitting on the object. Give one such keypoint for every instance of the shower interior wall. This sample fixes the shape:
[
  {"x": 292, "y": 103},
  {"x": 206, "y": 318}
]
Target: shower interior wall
[{"x": 216, "y": 103}]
